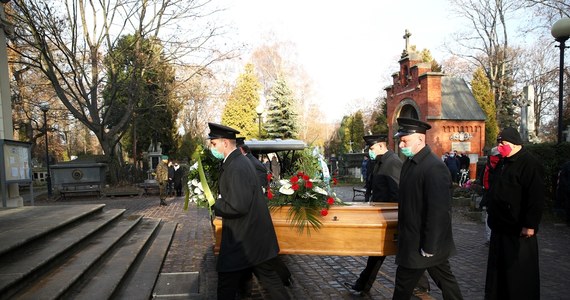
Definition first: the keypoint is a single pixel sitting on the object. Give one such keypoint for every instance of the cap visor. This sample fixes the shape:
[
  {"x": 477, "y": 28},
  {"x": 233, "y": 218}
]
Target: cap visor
[{"x": 401, "y": 133}]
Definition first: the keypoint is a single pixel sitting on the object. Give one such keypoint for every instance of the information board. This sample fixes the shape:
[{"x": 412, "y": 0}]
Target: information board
[{"x": 16, "y": 161}]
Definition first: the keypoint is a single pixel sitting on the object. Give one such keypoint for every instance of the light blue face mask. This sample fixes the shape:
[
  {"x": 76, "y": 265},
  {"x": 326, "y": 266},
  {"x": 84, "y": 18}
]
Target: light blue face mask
[
  {"x": 217, "y": 153},
  {"x": 371, "y": 154},
  {"x": 407, "y": 151}
]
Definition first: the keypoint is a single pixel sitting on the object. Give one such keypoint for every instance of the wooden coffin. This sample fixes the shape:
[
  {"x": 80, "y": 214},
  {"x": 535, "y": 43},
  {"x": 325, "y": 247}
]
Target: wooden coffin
[{"x": 355, "y": 230}]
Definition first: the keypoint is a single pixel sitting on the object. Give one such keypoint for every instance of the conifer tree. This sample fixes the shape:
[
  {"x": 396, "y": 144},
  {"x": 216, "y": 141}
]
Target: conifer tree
[
  {"x": 357, "y": 131},
  {"x": 281, "y": 115},
  {"x": 484, "y": 95},
  {"x": 239, "y": 112}
]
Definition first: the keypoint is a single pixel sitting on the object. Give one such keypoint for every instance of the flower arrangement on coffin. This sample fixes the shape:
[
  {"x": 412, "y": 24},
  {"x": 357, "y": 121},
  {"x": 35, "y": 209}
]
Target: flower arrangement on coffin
[
  {"x": 202, "y": 179},
  {"x": 309, "y": 200}
]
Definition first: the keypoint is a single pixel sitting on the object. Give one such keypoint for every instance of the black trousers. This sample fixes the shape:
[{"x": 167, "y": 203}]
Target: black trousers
[
  {"x": 369, "y": 274},
  {"x": 406, "y": 280},
  {"x": 229, "y": 282}
]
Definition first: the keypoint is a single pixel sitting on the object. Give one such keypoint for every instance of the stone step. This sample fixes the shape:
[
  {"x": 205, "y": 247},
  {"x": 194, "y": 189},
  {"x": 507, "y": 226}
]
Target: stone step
[
  {"x": 108, "y": 273},
  {"x": 140, "y": 283},
  {"x": 29, "y": 260},
  {"x": 24, "y": 224},
  {"x": 80, "y": 252},
  {"x": 60, "y": 280}
]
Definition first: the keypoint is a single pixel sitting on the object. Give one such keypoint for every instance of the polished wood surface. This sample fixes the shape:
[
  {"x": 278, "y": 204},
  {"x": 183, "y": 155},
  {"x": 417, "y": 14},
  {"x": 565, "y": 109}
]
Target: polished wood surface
[{"x": 354, "y": 230}]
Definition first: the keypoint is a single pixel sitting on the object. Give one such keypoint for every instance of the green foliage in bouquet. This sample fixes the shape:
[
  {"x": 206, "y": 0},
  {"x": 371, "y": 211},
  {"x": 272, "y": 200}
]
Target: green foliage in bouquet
[
  {"x": 202, "y": 178},
  {"x": 309, "y": 200}
]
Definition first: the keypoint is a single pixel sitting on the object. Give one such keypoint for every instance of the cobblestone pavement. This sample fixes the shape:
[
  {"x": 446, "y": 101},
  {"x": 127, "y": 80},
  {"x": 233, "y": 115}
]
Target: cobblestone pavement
[{"x": 322, "y": 277}]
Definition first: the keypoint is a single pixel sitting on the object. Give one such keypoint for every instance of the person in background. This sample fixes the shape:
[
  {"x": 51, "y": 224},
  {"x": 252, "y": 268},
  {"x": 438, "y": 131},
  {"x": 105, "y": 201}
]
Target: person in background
[
  {"x": 260, "y": 169},
  {"x": 162, "y": 178},
  {"x": 384, "y": 180},
  {"x": 363, "y": 168},
  {"x": 489, "y": 175},
  {"x": 266, "y": 163},
  {"x": 249, "y": 243},
  {"x": 170, "y": 186},
  {"x": 275, "y": 168},
  {"x": 452, "y": 164},
  {"x": 563, "y": 189},
  {"x": 464, "y": 161},
  {"x": 368, "y": 179},
  {"x": 178, "y": 175},
  {"x": 425, "y": 239},
  {"x": 516, "y": 199}
]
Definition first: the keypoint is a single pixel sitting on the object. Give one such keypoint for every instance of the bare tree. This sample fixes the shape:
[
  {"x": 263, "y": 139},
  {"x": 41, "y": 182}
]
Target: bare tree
[
  {"x": 486, "y": 44},
  {"x": 548, "y": 11},
  {"x": 537, "y": 66},
  {"x": 200, "y": 95},
  {"x": 67, "y": 40}
]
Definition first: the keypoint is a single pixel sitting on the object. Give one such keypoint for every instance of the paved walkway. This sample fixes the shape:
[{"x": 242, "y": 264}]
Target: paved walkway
[{"x": 322, "y": 277}]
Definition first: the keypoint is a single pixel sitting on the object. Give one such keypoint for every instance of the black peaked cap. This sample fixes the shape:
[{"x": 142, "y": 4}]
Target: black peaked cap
[
  {"x": 410, "y": 126},
  {"x": 219, "y": 131}
]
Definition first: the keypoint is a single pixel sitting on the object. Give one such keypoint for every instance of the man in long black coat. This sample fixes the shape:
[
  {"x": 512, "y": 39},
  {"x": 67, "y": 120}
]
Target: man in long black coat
[
  {"x": 384, "y": 181},
  {"x": 516, "y": 199},
  {"x": 278, "y": 265},
  {"x": 425, "y": 239},
  {"x": 249, "y": 242}
]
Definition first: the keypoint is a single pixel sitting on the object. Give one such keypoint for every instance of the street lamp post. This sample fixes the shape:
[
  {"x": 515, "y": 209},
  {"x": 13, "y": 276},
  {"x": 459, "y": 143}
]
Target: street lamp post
[
  {"x": 259, "y": 111},
  {"x": 44, "y": 106},
  {"x": 561, "y": 31}
]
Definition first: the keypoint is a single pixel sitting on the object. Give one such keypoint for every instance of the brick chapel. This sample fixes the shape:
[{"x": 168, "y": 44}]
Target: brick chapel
[{"x": 445, "y": 102}]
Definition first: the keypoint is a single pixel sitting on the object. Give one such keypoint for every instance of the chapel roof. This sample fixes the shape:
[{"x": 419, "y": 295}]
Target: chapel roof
[{"x": 457, "y": 101}]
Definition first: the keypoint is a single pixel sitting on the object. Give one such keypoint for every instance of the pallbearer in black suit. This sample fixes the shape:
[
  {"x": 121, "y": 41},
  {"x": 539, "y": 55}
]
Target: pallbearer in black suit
[
  {"x": 384, "y": 180},
  {"x": 278, "y": 265},
  {"x": 249, "y": 243},
  {"x": 260, "y": 169},
  {"x": 425, "y": 240}
]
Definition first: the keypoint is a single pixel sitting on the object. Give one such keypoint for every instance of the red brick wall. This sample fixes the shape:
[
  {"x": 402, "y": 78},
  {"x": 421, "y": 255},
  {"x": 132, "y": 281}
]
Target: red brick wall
[{"x": 423, "y": 92}]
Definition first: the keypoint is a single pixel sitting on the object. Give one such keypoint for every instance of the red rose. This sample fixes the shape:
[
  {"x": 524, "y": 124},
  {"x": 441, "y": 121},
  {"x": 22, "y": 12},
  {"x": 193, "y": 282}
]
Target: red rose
[
  {"x": 269, "y": 176},
  {"x": 308, "y": 184},
  {"x": 269, "y": 195},
  {"x": 330, "y": 201},
  {"x": 294, "y": 179},
  {"x": 295, "y": 187},
  {"x": 335, "y": 181},
  {"x": 300, "y": 174},
  {"x": 324, "y": 212},
  {"x": 306, "y": 177}
]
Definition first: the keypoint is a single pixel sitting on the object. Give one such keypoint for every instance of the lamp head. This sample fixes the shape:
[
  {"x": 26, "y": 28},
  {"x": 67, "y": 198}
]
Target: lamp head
[
  {"x": 561, "y": 29},
  {"x": 259, "y": 109},
  {"x": 44, "y": 106}
]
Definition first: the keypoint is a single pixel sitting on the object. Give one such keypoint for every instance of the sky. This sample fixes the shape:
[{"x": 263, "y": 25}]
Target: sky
[{"x": 349, "y": 49}]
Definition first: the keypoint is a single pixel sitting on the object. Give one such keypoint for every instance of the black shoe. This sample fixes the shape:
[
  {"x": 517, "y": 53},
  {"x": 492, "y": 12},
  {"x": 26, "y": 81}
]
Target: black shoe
[
  {"x": 420, "y": 291},
  {"x": 288, "y": 282},
  {"x": 162, "y": 203},
  {"x": 353, "y": 290}
]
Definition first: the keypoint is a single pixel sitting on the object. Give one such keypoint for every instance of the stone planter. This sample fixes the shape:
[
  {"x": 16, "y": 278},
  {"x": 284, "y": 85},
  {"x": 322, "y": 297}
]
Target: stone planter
[{"x": 355, "y": 230}]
